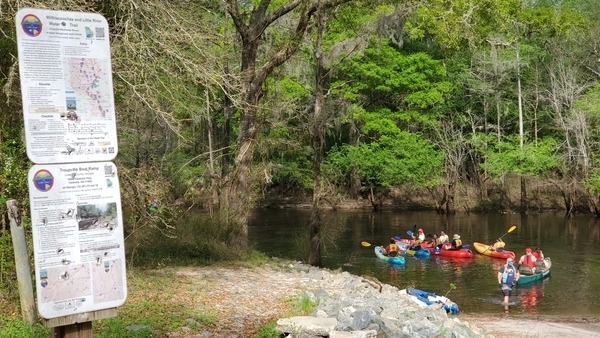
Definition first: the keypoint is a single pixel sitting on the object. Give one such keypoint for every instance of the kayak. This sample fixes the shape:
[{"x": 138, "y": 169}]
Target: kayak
[
  {"x": 398, "y": 260},
  {"x": 418, "y": 252},
  {"x": 431, "y": 299},
  {"x": 402, "y": 243},
  {"x": 485, "y": 249},
  {"x": 405, "y": 248},
  {"x": 541, "y": 272},
  {"x": 462, "y": 253}
]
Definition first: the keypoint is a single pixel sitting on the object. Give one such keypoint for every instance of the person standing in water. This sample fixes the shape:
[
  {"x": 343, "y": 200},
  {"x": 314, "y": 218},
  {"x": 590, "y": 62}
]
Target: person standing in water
[{"x": 508, "y": 275}]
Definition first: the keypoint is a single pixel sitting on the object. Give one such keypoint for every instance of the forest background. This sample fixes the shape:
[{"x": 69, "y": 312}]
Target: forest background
[{"x": 457, "y": 106}]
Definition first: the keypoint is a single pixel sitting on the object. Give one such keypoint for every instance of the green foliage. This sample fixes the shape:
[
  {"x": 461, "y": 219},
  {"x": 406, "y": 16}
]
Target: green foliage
[
  {"x": 14, "y": 167},
  {"x": 592, "y": 182},
  {"x": 461, "y": 23},
  {"x": 267, "y": 331},
  {"x": 8, "y": 275},
  {"x": 10, "y": 328},
  {"x": 452, "y": 287},
  {"x": 383, "y": 77},
  {"x": 398, "y": 159},
  {"x": 508, "y": 157}
]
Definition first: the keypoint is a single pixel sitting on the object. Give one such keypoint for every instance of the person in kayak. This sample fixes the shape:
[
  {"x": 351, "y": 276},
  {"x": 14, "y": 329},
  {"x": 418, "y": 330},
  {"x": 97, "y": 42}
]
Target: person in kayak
[
  {"x": 538, "y": 253},
  {"x": 420, "y": 237},
  {"x": 391, "y": 249},
  {"x": 456, "y": 243},
  {"x": 528, "y": 260},
  {"x": 508, "y": 276},
  {"x": 443, "y": 237},
  {"x": 435, "y": 241},
  {"x": 499, "y": 245}
]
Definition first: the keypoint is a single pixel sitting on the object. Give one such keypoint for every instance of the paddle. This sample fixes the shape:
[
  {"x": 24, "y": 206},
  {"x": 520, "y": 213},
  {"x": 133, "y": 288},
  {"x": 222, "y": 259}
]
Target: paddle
[
  {"x": 511, "y": 229},
  {"x": 365, "y": 244}
]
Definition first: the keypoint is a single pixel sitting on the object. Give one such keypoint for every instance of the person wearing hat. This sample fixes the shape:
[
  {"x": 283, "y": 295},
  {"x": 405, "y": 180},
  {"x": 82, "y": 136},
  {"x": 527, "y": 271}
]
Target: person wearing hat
[
  {"x": 456, "y": 242},
  {"x": 508, "y": 276},
  {"x": 420, "y": 237},
  {"x": 528, "y": 259}
]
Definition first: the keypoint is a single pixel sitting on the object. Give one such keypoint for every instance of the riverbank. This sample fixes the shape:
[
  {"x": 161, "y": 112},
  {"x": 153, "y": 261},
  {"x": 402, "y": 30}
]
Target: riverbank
[{"x": 241, "y": 300}]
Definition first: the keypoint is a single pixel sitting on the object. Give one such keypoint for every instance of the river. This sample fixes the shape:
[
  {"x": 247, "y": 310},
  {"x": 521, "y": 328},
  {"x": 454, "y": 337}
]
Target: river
[{"x": 573, "y": 287}]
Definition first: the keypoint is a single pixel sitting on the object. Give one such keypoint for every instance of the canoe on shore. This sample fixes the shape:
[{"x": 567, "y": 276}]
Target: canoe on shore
[
  {"x": 486, "y": 250},
  {"x": 541, "y": 272},
  {"x": 431, "y": 299},
  {"x": 398, "y": 260}
]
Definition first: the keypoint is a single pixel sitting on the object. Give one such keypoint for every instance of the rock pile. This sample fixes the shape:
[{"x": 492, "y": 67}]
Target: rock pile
[{"x": 357, "y": 307}]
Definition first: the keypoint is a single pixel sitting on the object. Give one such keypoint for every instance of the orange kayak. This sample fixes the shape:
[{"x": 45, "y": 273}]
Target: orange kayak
[{"x": 485, "y": 249}]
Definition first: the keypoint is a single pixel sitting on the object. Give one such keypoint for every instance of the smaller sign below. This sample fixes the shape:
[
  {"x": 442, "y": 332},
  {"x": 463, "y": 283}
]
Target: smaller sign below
[
  {"x": 66, "y": 86},
  {"x": 78, "y": 242}
]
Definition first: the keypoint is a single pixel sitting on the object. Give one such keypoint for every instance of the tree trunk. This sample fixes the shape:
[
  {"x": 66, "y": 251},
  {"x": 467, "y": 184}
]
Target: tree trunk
[
  {"x": 314, "y": 255},
  {"x": 450, "y": 207},
  {"x": 524, "y": 205},
  {"x": 354, "y": 178}
]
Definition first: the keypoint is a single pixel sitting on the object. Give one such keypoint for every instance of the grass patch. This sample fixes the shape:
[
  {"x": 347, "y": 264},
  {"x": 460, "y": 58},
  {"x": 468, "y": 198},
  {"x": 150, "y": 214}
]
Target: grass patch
[
  {"x": 154, "y": 307},
  {"x": 11, "y": 327},
  {"x": 301, "y": 306}
]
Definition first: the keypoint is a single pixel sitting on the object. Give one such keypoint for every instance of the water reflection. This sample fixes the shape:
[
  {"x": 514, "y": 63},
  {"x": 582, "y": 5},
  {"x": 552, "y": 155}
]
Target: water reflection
[
  {"x": 573, "y": 245},
  {"x": 530, "y": 295}
]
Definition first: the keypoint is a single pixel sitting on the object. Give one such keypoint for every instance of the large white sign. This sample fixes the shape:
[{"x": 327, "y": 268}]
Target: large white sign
[
  {"x": 66, "y": 85},
  {"x": 77, "y": 238}
]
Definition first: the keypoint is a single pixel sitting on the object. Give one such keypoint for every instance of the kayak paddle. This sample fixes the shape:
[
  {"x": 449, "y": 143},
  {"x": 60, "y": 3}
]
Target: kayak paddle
[
  {"x": 365, "y": 244},
  {"x": 511, "y": 229}
]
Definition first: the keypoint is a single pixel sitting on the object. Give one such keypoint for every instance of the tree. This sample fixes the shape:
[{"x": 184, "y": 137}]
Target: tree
[{"x": 251, "y": 20}]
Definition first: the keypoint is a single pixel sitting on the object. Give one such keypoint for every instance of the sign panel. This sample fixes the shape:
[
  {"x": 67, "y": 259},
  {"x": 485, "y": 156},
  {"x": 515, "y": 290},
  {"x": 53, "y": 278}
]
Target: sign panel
[
  {"x": 66, "y": 85},
  {"x": 78, "y": 240}
]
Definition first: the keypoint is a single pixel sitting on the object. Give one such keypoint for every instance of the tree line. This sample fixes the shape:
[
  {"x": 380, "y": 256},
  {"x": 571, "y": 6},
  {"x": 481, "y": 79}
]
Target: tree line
[{"x": 461, "y": 105}]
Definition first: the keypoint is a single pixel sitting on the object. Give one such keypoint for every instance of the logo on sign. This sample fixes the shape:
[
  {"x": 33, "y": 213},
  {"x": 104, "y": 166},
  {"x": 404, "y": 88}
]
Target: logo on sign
[
  {"x": 31, "y": 25},
  {"x": 43, "y": 180}
]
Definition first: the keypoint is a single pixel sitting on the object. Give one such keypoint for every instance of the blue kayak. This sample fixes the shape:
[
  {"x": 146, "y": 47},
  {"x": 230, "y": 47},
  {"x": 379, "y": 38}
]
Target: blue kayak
[
  {"x": 418, "y": 252},
  {"x": 431, "y": 299},
  {"x": 398, "y": 260}
]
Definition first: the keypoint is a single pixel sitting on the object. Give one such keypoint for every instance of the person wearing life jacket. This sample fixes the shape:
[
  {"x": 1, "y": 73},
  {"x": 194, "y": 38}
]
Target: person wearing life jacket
[
  {"x": 391, "y": 249},
  {"x": 456, "y": 243},
  {"x": 499, "y": 245},
  {"x": 528, "y": 259},
  {"x": 435, "y": 241},
  {"x": 508, "y": 275}
]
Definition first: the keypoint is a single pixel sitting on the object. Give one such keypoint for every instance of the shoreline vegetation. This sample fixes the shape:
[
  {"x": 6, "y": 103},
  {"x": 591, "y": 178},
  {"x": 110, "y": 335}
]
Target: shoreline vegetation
[{"x": 503, "y": 197}]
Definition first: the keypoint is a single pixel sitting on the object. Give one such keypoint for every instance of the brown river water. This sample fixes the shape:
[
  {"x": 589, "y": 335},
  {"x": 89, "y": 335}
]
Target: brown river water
[{"x": 573, "y": 244}]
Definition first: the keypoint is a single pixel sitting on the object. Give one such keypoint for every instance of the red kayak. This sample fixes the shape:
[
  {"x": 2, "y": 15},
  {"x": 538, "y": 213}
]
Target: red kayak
[
  {"x": 485, "y": 249},
  {"x": 445, "y": 252}
]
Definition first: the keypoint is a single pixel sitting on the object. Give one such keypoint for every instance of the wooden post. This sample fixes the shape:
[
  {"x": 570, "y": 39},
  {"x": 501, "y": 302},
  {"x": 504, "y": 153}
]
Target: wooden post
[
  {"x": 17, "y": 232},
  {"x": 78, "y": 330},
  {"x": 77, "y": 325}
]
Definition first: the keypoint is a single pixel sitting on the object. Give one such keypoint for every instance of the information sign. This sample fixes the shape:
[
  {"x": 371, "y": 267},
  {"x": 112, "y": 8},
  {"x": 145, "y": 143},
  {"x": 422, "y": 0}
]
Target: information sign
[
  {"x": 66, "y": 85},
  {"x": 77, "y": 238}
]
